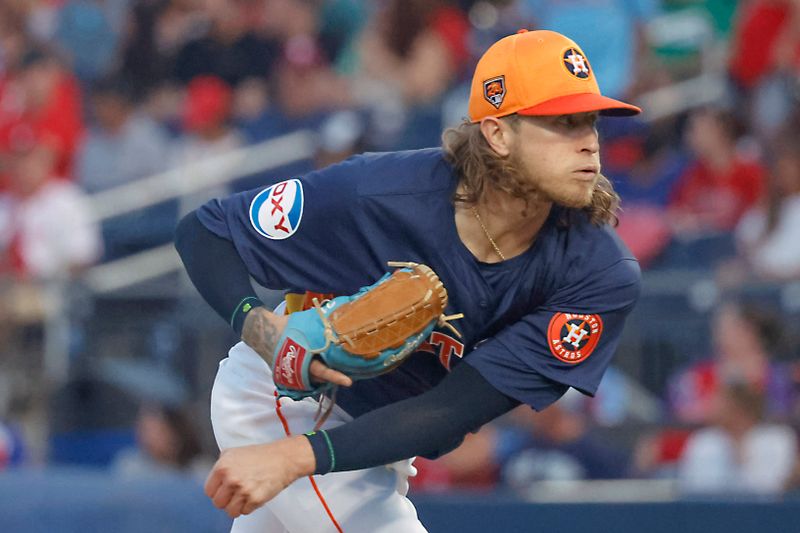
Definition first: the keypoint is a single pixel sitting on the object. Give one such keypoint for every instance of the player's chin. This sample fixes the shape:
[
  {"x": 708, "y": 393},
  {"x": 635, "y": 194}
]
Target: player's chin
[{"x": 578, "y": 198}]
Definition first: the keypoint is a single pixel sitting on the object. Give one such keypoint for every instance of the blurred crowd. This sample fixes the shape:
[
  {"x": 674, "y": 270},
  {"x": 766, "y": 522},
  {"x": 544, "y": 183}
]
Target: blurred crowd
[{"x": 97, "y": 94}]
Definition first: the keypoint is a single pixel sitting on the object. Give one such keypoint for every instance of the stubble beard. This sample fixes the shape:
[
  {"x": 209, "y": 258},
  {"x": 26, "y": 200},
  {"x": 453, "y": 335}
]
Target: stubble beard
[
  {"x": 577, "y": 200},
  {"x": 541, "y": 191}
]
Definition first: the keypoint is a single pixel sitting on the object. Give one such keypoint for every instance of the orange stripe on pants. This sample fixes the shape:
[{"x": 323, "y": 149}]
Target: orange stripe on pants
[{"x": 310, "y": 478}]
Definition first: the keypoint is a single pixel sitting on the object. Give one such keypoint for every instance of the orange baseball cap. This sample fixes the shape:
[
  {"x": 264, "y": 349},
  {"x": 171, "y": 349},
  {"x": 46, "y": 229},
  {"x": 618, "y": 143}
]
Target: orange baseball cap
[{"x": 538, "y": 73}]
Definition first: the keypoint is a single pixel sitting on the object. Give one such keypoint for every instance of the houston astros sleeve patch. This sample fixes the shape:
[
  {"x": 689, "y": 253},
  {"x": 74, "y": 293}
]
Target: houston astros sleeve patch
[{"x": 573, "y": 337}]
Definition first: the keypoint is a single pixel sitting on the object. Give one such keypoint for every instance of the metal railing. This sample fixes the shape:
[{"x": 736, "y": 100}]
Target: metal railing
[
  {"x": 162, "y": 260},
  {"x": 175, "y": 184}
]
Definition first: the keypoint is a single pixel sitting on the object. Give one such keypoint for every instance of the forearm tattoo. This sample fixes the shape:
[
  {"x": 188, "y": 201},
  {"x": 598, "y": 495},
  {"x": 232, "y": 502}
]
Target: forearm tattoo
[{"x": 261, "y": 334}]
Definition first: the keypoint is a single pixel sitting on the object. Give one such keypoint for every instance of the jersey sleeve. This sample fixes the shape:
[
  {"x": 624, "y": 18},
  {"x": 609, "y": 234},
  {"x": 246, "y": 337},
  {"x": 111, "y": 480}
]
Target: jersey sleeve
[
  {"x": 295, "y": 233},
  {"x": 569, "y": 339}
]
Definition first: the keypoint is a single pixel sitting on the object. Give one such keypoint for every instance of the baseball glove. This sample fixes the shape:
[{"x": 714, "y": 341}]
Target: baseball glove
[{"x": 363, "y": 335}]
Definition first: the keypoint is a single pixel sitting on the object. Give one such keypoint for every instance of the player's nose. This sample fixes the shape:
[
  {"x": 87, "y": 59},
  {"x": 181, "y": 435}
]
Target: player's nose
[{"x": 590, "y": 141}]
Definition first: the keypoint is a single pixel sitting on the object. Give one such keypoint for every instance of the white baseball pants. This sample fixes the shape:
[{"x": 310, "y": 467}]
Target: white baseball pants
[{"x": 245, "y": 410}]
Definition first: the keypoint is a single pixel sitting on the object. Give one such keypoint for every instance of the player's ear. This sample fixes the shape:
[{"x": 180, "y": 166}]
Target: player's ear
[{"x": 498, "y": 135}]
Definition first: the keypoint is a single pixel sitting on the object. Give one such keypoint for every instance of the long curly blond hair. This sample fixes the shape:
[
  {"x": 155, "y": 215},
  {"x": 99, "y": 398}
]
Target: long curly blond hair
[{"x": 479, "y": 167}]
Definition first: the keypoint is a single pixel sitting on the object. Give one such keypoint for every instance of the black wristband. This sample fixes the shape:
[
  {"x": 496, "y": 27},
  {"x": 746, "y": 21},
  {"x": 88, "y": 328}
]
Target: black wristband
[
  {"x": 323, "y": 451},
  {"x": 247, "y": 304}
]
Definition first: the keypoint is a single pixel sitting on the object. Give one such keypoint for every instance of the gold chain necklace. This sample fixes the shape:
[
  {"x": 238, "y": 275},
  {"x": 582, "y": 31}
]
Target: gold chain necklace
[{"x": 488, "y": 236}]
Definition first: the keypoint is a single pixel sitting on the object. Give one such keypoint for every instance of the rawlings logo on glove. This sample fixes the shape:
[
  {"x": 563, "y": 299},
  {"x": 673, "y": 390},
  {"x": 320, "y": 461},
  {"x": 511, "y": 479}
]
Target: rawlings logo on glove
[
  {"x": 363, "y": 335},
  {"x": 289, "y": 364}
]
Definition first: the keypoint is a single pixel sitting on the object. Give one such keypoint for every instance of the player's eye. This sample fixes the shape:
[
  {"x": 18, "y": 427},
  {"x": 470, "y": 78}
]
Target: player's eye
[
  {"x": 578, "y": 120},
  {"x": 566, "y": 120}
]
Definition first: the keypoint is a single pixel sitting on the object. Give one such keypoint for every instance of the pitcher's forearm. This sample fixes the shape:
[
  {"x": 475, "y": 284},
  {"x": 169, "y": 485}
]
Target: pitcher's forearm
[{"x": 261, "y": 332}]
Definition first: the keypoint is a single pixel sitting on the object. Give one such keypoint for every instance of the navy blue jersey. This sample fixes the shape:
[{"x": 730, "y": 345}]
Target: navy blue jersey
[{"x": 556, "y": 310}]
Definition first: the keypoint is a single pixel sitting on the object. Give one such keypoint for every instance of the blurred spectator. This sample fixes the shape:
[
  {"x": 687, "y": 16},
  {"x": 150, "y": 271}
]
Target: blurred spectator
[
  {"x": 278, "y": 20},
  {"x": 207, "y": 121},
  {"x": 744, "y": 339},
  {"x": 411, "y": 54},
  {"x": 417, "y": 48},
  {"x": 49, "y": 233},
  {"x": 12, "y": 446},
  {"x": 164, "y": 104},
  {"x": 738, "y": 453},
  {"x": 767, "y": 235},
  {"x": 304, "y": 85},
  {"x": 334, "y": 25},
  {"x": 792, "y": 485},
  {"x": 765, "y": 58},
  {"x": 644, "y": 165},
  {"x": 643, "y": 159},
  {"x": 12, "y": 41},
  {"x": 558, "y": 443},
  {"x": 306, "y": 88},
  {"x": 45, "y": 234},
  {"x": 658, "y": 450},
  {"x": 756, "y": 38},
  {"x": 89, "y": 31},
  {"x": 124, "y": 144},
  {"x": 341, "y": 136},
  {"x": 286, "y": 19},
  {"x": 254, "y": 111},
  {"x": 303, "y": 88},
  {"x": 722, "y": 13},
  {"x": 622, "y": 400},
  {"x": 42, "y": 100},
  {"x": 167, "y": 441},
  {"x": 341, "y": 23},
  {"x": 720, "y": 184},
  {"x": 156, "y": 31},
  {"x": 227, "y": 49},
  {"x": 616, "y": 41}
]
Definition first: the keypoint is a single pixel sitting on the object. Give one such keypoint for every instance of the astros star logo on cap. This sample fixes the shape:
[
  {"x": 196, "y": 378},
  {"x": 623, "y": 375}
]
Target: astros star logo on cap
[{"x": 576, "y": 63}]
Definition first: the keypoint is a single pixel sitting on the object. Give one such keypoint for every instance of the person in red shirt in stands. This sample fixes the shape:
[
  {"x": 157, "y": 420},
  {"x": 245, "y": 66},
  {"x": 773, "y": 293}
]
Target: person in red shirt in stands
[
  {"x": 763, "y": 31},
  {"x": 764, "y": 61},
  {"x": 46, "y": 235},
  {"x": 41, "y": 100},
  {"x": 720, "y": 184}
]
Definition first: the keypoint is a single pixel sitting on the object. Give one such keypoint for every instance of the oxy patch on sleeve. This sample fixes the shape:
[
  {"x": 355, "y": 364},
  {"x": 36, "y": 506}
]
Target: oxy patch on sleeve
[{"x": 276, "y": 211}]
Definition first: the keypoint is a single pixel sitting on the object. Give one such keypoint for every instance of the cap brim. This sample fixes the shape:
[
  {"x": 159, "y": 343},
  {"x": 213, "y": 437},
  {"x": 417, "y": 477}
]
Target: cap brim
[{"x": 582, "y": 103}]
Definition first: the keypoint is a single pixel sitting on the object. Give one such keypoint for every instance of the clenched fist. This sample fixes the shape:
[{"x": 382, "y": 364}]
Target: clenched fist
[{"x": 245, "y": 478}]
